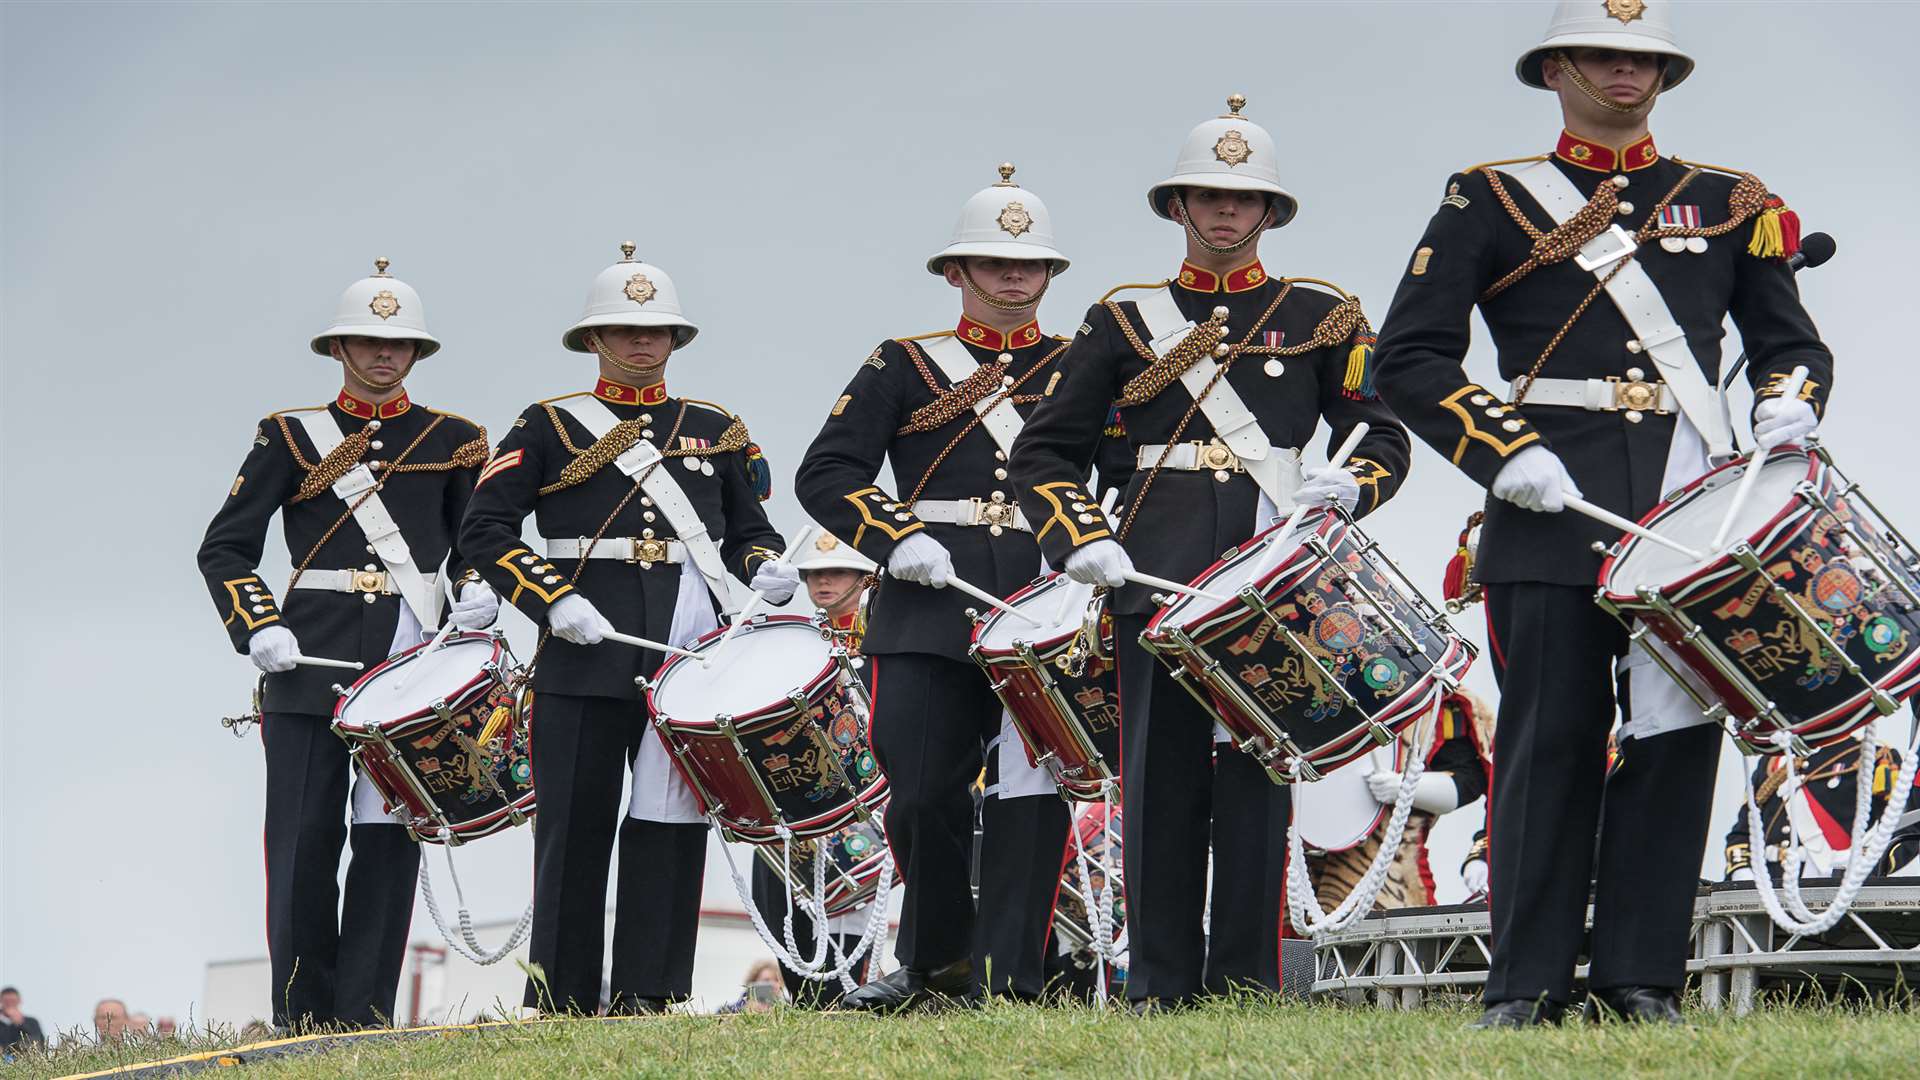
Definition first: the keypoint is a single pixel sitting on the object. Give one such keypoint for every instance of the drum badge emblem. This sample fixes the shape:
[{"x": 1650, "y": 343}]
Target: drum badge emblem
[
  {"x": 639, "y": 289},
  {"x": 384, "y": 304},
  {"x": 1232, "y": 148},
  {"x": 1837, "y": 589},
  {"x": 1340, "y": 629},
  {"x": 1626, "y": 10},
  {"x": 1015, "y": 220}
]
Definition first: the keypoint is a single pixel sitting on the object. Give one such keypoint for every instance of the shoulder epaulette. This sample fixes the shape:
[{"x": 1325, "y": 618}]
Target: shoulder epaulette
[
  {"x": 1135, "y": 285},
  {"x": 925, "y": 337},
  {"x": 721, "y": 409},
  {"x": 1722, "y": 169},
  {"x": 1328, "y": 285},
  {"x": 562, "y": 397},
  {"x": 456, "y": 416},
  {"x": 1061, "y": 338},
  {"x": 300, "y": 409},
  {"x": 1505, "y": 161}
]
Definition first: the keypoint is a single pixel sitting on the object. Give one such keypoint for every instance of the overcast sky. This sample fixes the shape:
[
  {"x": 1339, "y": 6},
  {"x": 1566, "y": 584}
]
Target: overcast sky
[{"x": 187, "y": 188}]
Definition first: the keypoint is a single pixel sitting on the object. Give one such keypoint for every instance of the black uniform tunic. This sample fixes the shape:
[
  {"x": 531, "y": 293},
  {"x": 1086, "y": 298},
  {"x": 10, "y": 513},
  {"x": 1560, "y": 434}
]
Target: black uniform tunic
[{"x": 329, "y": 963}]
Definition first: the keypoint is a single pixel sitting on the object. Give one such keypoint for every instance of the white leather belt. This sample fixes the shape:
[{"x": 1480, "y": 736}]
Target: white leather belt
[
  {"x": 1195, "y": 456},
  {"x": 1632, "y": 394},
  {"x": 632, "y": 549},
  {"x": 971, "y": 512},
  {"x": 354, "y": 581}
]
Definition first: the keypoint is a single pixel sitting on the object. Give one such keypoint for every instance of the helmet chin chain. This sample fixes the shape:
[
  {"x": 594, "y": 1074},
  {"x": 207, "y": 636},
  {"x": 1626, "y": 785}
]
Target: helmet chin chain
[
  {"x": 1247, "y": 241},
  {"x": 1599, "y": 97},
  {"x": 980, "y": 294},
  {"x": 654, "y": 373},
  {"x": 367, "y": 380}
]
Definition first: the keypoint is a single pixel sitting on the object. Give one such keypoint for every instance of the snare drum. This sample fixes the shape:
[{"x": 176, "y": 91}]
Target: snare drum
[
  {"x": 854, "y": 855},
  {"x": 443, "y": 736},
  {"x": 1320, "y": 651},
  {"x": 773, "y": 733},
  {"x": 1058, "y": 681},
  {"x": 1807, "y": 624}
]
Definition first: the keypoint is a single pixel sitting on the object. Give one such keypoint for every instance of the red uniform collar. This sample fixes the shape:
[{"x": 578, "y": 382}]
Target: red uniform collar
[
  {"x": 987, "y": 337},
  {"x": 622, "y": 394},
  {"x": 1195, "y": 279},
  {"x": 847, "y": 621},
  {"x": 367, "y": 410},
  {"x": 1599, "y": 157}
]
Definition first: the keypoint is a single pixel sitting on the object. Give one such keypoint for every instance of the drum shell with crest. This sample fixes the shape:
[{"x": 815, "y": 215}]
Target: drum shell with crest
[
  {"x": 1813, "y": 561},
  {"x": 444, "y": 734},
  {"x": 773, "y": 734},
  {"x": 1322, "y": 649},
  {"x": 1057, "y": 680}
]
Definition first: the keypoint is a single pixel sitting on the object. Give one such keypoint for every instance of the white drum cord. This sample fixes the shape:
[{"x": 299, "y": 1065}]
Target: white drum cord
[
  {"x": 818, "y": 968},
  {"x": 1108, "y": 951},
  {"x": 467, "y": 945},
  {"x": 1869, "y": 845},
  {"x": 1304, "y": 906}
]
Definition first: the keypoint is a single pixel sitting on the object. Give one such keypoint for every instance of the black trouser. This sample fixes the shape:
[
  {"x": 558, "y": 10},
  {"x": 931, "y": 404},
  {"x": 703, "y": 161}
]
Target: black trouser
[
  {"x": 770, "y": 896},
  {"x": 1554, "y": 654},
  {"x": 581, "y": 750},
  {"x": 1178, "y": 796},
  {"x": 932, "y": 720},
  {"x": 1023, "y": 841},
  {"x": 329, "y": 965}
]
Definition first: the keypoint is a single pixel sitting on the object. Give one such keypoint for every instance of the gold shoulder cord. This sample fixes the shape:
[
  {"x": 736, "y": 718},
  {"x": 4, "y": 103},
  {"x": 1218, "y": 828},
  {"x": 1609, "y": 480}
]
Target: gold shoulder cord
[
  {"x": 1007, "y": 393},
  {"x": 391, "y": 468}
]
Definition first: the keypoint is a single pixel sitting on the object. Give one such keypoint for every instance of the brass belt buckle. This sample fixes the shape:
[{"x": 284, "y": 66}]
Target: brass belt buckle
[
  {"x": 649, "y": 551},
  {"x": 1217, "y": 456},
  {"x": 1635, "y": 395},
  {"x": 369, "y": 581},
  {"x": 996, "y": 513}
]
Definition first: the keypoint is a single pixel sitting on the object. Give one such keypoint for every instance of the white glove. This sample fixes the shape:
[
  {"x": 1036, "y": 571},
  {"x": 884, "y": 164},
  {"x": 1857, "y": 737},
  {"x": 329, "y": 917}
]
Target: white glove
[
  {"x": 575, "y": 619},
  {"x": 1434, "y": 792},
  {"x": 1103, "y": 562},
  {"x": 1474, "y": 876},
  {"x": 476, "y": 608},
  {"x": 272, "y": 650},
  {"x": 1745, "y": 873},
  {"x": 1328, "y": 483},
  {"x": 1780, "y": 420},
  {"x": 922, "y": 560},
  {"x": 777, "y": 580},
  {"x": 1536, "y": 480}
]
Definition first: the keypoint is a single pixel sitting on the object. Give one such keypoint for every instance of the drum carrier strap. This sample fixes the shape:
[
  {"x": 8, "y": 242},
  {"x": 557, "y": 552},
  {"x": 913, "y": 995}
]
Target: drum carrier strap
[
  {"x": 360, "y": 490},
  {"x": 639, "y": 462}
]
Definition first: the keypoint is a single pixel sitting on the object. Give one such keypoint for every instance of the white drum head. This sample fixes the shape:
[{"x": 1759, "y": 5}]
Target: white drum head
[
  {"x": 1250, "y": 564},
  {"x": 1338, "y": 812},
  {"x": 1693, "y": 524},
  {"x": 760, "y": 667},
  {"x": 416, "y": 682},
  {"x": 1059, "y": 607}
]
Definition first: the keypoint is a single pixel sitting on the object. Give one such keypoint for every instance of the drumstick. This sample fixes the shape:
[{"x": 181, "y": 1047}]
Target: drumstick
[
  {"x": 1575, "y": 502},
  {"x": 321, "y": 661},
  {"x": 1338, "y": 460},
  {"x": 1152, "y": 582},
  {"x": 739, "y": 620},
  {"x": 988, "y": 598},
  {"x": 644, "y": 643},
  {"x": 439, "y": 639},
  {"x": 1788, "y": 391}
]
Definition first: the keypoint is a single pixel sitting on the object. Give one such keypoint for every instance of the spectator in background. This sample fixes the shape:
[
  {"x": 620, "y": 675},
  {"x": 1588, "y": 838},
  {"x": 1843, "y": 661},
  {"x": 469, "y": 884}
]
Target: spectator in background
[
  {"x": 166, "y": 1027},
  {"x": 17, "y": 1029},
  {"x": 110, "y": 1020},
  {"x": 139, "y": 1024},
  {"x": 762, "y": 989}
]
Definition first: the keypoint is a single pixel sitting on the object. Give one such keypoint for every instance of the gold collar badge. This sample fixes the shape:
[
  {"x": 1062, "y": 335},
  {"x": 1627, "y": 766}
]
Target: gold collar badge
[
  {"x": 1015, "y": 220},
  {"x": 384, "y": 304},
  {"x": 1232, "y": 149},
  {"x": 639, "y": 289},
  {"x": 1626, "y": 10}
]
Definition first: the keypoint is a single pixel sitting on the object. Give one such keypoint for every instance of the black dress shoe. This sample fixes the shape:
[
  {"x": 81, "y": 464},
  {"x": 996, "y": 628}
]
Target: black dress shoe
[
  {"x": 909, "y": 987},
  {"x": 637, "y": 1006},
  {"x": 1519, "y": 1014},
  {"x": 1636, "y": 1004}
]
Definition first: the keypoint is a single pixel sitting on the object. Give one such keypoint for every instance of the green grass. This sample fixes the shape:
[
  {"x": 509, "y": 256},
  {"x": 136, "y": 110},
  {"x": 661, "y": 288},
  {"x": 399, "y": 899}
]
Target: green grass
[{"x": 1221, "y": 1039}]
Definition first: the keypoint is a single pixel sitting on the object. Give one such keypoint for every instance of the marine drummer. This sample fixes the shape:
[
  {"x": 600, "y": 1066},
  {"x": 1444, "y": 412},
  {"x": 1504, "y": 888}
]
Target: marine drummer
[
  {"x": 647, "y": 502},
  {"x": 1818, "y": 803},
  {"x": 836, "y": 578},
  {"x": 945, "y": 407},
  {"x": 1293, "y": 352},
  {"x": 1618, "y": 404},
  {"x": 370, "y": 489}
]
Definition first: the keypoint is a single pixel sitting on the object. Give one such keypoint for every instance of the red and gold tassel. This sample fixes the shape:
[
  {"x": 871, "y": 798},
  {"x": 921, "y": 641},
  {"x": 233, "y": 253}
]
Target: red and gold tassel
[
  {"x": 1776, "y": 231},
  {"x": 1458, "y": 587}
]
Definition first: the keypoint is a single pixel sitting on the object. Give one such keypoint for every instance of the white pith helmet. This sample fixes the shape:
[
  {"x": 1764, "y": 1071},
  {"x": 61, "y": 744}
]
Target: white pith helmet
[
  {"x": 630, "y": 293},
  {"x": 818, "y": 549},
  {"x": 1644, "y": 26},
  {"x": 1004, "y": 221},
  {"x": 1229, "y": 153},
  {"x": 381, "y": 306}
]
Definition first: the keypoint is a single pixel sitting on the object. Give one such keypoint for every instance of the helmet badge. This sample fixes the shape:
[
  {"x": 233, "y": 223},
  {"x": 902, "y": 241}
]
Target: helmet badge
[
  {"x": 384, "y": 304},
  {"x": 639, "y": 289},
  {"x": 1626, "y": 10},
  {"x": 1232, "y": 149},
  {"x": 826, "y": 542},
  {"x": 1015, "y": 220}
]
